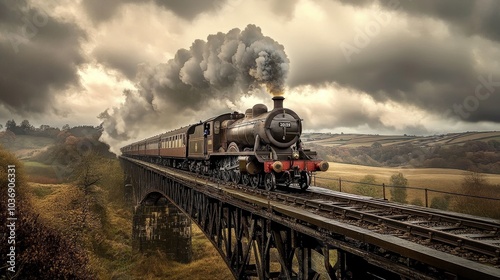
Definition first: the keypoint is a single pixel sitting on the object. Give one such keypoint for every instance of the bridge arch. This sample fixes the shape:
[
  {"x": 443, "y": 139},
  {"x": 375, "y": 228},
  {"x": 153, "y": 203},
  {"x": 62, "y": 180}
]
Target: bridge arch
[
  {"x": 154, "y": 198},
  {"x": 160, "y": 225}
]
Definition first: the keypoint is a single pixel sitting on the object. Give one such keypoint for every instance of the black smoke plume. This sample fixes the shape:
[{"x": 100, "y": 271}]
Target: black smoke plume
[{"x": 204, "y": 78}]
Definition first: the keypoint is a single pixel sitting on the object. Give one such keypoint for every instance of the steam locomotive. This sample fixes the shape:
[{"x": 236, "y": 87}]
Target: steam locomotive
[{"x": 260, "y": 148}]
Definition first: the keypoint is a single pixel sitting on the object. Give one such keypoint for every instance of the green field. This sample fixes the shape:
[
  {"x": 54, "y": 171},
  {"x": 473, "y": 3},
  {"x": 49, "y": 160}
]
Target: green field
[{"x": 41, "y": 173}]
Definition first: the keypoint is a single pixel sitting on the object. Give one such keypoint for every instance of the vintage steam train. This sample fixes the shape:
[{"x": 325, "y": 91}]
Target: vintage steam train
[{"x": 258, "y": 148}]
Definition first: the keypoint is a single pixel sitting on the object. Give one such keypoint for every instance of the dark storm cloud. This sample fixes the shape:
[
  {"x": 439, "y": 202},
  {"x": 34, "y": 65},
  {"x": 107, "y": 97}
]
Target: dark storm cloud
[
  {"x": 395, "y": 69},
  {"x": 125, "y": 60},
  {"x": 449, "y": 75},
  {"x": 224, "y": 67},
  {"x": 40, "y": 56},
  {"x": 467, "y": 16},
  {"x": 189, "y": 9},
  {"x": 100, "y": 11},
  {"x": 440, "y": 76}
]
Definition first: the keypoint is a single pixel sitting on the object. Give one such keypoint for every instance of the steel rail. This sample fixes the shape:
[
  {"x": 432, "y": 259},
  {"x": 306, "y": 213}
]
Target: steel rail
[{"x": 345, "y": 208}]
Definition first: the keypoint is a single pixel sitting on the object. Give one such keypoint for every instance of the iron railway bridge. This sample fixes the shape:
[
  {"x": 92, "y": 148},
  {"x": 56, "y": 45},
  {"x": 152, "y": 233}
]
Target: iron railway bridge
[{"x": 322, "y": 234}]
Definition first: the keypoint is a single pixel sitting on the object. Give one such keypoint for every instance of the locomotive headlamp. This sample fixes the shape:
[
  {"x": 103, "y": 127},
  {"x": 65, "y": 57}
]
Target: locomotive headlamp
[
  {"x": 323, "y": 166},
  {"x": 277, "y": 166},
  {"x": 295, "y": 155}
]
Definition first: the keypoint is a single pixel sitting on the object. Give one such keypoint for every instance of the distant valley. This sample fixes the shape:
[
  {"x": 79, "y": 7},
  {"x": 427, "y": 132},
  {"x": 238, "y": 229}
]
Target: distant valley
[{"x": 473, "y": 151}]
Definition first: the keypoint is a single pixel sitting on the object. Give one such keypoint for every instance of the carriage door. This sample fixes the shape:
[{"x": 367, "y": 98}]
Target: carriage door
[{"x": 207, "y": 139}]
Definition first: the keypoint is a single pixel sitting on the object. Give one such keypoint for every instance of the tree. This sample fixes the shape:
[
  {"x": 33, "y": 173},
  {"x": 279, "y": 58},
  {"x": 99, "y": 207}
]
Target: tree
[
  {"x": 88, "y": 171},
  {"x": 367, "y": 186},
  {"x": 26, "y": 127},
  {"x": 66, "y": 127},
  {"x": 11, "y": 125},
  {"x": 44, "y": 127},
  {"x": 398, "y": 190},
  {"x": 475, "y": 184}
]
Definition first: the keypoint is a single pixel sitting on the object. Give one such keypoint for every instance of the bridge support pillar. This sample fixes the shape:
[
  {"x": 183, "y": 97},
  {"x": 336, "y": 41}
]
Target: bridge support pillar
[{"x": 162, "y": 226}]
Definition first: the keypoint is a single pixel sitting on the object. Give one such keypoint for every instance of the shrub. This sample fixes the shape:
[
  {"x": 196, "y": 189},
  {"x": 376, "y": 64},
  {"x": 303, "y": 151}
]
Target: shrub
[
  {"x": 368, "y": 187},
  {"x": 43, "y": 252},
  {"x": 398, "y": 189},
  {"x": 440, "y": 202}
]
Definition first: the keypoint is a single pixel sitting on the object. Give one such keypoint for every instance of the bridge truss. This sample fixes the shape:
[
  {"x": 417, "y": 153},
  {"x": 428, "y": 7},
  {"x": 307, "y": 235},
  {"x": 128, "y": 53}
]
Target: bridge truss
[{"x": 261, "y": 239}]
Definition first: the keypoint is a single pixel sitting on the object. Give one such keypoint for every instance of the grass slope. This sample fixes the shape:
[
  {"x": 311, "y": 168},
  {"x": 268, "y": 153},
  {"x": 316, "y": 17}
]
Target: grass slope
[
  {"x": 113, "y": 257},
  {"x": 26, "y": 146}
]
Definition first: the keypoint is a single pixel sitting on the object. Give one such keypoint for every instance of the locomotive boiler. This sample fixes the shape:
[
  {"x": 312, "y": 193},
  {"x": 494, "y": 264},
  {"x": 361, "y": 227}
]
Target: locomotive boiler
[
  {"x": 260, "y": 148},
  {"x": 280, "y": 128}
]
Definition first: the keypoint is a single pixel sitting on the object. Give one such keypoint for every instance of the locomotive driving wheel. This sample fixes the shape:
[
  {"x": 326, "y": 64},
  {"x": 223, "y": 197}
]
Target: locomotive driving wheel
[
  {"x": 225, "y": 175},
  {"x": 235, "y": 176},
  {"x": 254, "y": 180},
  {"x": 215, "y": 174},
  {"x": 245, "y": 179},
  {"x": 270, "y": 182}
]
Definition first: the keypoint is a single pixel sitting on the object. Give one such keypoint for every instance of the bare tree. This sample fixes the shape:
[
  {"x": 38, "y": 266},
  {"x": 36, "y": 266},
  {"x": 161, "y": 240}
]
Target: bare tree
[{"x": 87, "y": 171}]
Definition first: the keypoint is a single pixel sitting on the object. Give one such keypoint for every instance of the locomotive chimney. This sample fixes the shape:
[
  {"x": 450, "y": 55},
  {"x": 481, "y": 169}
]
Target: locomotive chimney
[{"x": 278, "y": 102}]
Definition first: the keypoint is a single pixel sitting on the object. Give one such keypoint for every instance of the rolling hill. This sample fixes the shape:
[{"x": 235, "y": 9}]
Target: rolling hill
[
  {"x": 357, "y": 140},
  {"x": 472, "y": 151}
]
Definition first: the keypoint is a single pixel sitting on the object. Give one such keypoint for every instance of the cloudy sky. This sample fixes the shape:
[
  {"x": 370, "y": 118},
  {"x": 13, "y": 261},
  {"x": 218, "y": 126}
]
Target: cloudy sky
[{"x": 145, "y": 66}]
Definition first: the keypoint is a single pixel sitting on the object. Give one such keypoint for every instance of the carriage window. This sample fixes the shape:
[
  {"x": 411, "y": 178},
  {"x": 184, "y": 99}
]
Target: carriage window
[{"x": 216, "y": 127}]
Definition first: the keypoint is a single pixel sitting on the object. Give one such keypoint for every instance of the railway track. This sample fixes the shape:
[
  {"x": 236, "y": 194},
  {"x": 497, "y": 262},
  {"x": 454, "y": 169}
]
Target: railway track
[
  {"x": 473, "y": 238},
  {"x": 478, "y": 240},
  {"x": 466, "y": 236}
]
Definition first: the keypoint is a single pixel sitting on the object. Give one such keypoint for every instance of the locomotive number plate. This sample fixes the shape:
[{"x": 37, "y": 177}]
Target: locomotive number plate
[{"x": 285, "y": 124}]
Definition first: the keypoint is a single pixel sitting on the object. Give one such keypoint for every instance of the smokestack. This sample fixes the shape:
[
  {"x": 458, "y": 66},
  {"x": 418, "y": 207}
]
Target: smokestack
[{"x": 278, "y": 102}]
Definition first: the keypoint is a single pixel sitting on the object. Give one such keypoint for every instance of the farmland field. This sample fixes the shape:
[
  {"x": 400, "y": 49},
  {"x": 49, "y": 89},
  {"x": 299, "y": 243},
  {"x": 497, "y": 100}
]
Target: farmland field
[
  {"x": 438, "y": 179},
  {"x": 434, "y": 178},
  {"x": 357, "y": 140}
]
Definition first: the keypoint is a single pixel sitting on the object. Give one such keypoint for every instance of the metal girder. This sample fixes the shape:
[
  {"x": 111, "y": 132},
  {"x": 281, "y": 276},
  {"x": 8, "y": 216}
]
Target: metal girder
[
  {"x": 256, "y": 242},
  {"x": 252, "y": 245}
]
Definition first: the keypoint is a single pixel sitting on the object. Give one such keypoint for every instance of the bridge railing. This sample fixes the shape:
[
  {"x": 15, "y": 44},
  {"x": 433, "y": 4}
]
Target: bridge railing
[{"x": 474, "y": 204}]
